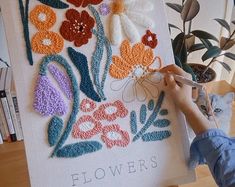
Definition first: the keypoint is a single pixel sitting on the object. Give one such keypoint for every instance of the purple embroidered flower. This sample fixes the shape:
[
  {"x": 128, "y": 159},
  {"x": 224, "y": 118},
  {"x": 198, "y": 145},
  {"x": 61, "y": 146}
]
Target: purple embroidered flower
[
  {"x": 62, "y": 79},
  {"x": 104, "y": 9},
  {"x": 47, "y": 100}
]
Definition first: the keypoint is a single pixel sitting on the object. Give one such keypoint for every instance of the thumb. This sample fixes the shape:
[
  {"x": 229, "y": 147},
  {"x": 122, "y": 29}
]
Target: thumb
[{"x": 170, "y": 81}]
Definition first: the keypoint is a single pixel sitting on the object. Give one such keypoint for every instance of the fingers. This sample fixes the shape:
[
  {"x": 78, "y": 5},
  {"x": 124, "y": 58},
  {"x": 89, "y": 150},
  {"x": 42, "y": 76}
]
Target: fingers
[
  {"x": 176, "y": 70},
  {"x": 170, "y": 81}
]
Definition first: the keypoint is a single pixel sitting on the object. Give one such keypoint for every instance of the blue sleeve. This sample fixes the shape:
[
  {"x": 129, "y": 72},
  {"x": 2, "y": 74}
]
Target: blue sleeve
[{"x": 217, "y": 150}]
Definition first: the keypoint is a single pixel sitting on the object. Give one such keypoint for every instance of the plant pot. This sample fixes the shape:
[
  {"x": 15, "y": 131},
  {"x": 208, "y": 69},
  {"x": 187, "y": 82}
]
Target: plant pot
[{"x": 198, "y": 69}]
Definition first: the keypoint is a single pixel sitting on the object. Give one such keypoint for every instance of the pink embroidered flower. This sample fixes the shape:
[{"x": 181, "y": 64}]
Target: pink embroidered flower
[
  {"x": 78, "y": 27},
  {"x": 87, "y": 105},
  {"x": 111, "y": 111},
  {"x": 84, "y": 3},
  {"x": 86, "y": 127},
  {"x": 114, "y": 136}
]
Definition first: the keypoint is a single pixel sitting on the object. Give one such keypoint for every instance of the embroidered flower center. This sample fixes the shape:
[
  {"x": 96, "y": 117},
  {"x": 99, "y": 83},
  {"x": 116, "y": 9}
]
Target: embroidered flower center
[
  {"x": 111, "y": 110},
  {"x": 78, "y": 27},
  {"x": 42, "y": 17},
  {"x": 87, "y": 126},
  {"x": 114, "y": 136},
  {"x": 118, "y": 7},
  {"x": 139, "y": 71},
  {"x": 46, "y": 42}
]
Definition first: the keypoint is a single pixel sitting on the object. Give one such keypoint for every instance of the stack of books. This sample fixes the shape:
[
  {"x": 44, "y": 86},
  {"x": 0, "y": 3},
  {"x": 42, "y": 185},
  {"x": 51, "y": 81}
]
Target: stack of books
[{"x": 10, "y": 123}]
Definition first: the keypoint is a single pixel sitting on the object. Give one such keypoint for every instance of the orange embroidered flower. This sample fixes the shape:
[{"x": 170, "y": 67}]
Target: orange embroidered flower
[
  {"x": 133, "y": 71},
  {"x": 150, "y": 39},
  {"x": 134, "y": 61},
  {"x": 86, "y": 127},
  {"x": 47, "y": 42},
  {"x": 114, "y": 136},
  {"x": 78, "y": 27},
  {"x": 84, "y": 3},
  {"x": 111, "y": 111},
  {"x": 43, "y": 17}
]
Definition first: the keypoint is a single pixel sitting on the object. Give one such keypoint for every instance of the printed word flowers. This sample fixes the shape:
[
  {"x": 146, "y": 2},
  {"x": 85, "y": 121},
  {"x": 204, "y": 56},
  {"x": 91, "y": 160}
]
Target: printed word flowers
[
  {"x": 124, "y": 14},
  {"x": 88, "y": 126},
  {"x": 78, "y": 27},
  {"x": 134, "y": 65}
]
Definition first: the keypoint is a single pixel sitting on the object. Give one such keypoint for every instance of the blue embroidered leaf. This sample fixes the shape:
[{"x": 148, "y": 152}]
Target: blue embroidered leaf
[
  {"x": 156, "y": 136},
  {"x": 54, "y": 4},
  {"x": 151, "y": 105},
  {"x": 133, "y": 122},
  {"x": 143, "y": 113},
  {"x": 78, "y": 149},
  {"x": 152, "y": 117},
  {"x": 164, "y": 112},
  {"x": 161, "y": 123},
  {"x": 54, "y": 130},
  {"x": 86, "y": 86}
]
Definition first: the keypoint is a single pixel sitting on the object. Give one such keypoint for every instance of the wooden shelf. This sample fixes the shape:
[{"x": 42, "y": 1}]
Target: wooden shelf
[{"x": 13, "y": 165}]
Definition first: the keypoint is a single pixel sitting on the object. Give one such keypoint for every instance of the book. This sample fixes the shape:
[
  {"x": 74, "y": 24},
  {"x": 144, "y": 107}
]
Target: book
[
  {"x": 17, "y": 112},
  {"x": 1, "y": 140},
  {"x": 4, "y": 126}
]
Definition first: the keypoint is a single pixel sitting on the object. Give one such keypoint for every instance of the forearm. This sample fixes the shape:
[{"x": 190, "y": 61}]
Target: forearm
[{"x": 195, "y": 118}]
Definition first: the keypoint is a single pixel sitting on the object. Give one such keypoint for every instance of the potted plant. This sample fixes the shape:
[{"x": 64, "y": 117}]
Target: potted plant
[{"x": 185, "y": 43}]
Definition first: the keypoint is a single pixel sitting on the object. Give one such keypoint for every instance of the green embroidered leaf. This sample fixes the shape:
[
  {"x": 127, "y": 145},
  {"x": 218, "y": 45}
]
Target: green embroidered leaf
[
  {"x": 164, "y": 112},
  {"x": 223, "y": 23},
  {"x": 78, "y": 149},
  {"x": 214, "y": 51},
  {"x": 162, "y": 123},
  {"x": 204, "y": 35},
  {"x": 156, "y": 136},
  {"x": 174, "y": 6},
  {"x": 133, "y": 122},
  {"x": 54, "y": 130},
  {"x": 151, "y": 105},
  {"x": 54, "y": 4}
]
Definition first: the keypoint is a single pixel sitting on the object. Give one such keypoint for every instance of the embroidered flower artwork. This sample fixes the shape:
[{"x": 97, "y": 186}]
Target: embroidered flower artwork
[
  {"x": 133, "y": 69},
  {"x": 96, "y": 92},
  {"x": 77, "y": 27},
  {"x": 127, "y": 13}
]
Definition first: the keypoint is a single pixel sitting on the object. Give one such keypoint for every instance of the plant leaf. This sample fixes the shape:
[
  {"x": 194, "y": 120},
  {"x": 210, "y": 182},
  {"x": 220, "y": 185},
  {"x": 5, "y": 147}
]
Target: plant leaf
[
  {"x": 223, "y": 23},
  {"x": 173, "y": 26},
  {"x": 230, "y": 55},
  {"x": 78, "y": 149},
  {"x": 190, "y": 10},
  {"x": 206, "y": 43},
  {"x": 226, "y": 66},
  {"x": 161, "y": 123},
  {"x": 177, "y": 62},
  {"x": 189, "y": 41},
  {"x": 233, "y": 22},
  {"x": 189, "y": 70},
  {"x": 214, "y": 51},
  {"x": 196, "y": 47},
  {"x": 226, "y": 44},
  {"x": 54, "y": 4},
  {"x": 156, "y": 136},
  {"x": 54, "y": 130},
  {"x": 179, "y": 48},
  {"x": 174, "y": 6},
  {"x": 204, "y": 35}
]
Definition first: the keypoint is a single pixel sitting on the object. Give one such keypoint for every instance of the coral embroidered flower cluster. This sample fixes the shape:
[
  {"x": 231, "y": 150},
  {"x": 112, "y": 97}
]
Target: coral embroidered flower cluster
[{"x": 91, "y": 125}]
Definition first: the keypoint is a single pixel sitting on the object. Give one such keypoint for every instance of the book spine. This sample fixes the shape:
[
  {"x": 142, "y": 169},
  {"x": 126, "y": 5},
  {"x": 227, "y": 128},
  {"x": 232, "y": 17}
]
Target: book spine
[
  {"x": 4, "y": 123},
  {"x": 8, "y": 115},
  {"x": 13, "y": 115},
  {"x": 17, "y": 111},
  {"x": 1, "y": 140},
  {"x": 2, "y": 130}
]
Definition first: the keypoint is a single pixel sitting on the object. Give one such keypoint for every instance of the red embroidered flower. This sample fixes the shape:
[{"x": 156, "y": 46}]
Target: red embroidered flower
[
  {"x": 87, "y": 105},
  {"x": 111, "y": 111},
  {"x": 113, "y": 135},
  {"x": 86, "y": 127},
  {"x": 78, "y": 27},
  {"x": 150, "y": 39},
  {"x": 84, "y": 3}
]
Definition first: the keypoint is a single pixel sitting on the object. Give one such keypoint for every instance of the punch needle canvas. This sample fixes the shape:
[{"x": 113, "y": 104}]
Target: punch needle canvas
[{"x": 91, "y": 99}]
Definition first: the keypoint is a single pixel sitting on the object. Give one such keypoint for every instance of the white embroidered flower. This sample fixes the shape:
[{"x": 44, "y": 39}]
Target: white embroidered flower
[{"x": 125, "y": 14}]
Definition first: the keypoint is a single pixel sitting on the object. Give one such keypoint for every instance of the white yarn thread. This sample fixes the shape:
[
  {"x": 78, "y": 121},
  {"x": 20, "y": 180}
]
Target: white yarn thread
[{"x": 115, "y": 30}]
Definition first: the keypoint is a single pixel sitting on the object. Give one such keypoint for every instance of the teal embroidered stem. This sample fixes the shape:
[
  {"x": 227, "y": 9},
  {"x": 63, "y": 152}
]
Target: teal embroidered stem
[
  {"x": 24, "y": 18},
  {"x": 152, "y": 117},
  {"x": 102, "y": 42},
  {"x": 43, "y": 68}
]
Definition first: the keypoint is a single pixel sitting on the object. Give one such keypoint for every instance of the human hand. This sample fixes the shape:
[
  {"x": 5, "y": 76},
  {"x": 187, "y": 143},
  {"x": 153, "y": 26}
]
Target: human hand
[{"x": 180, "y": 93}]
